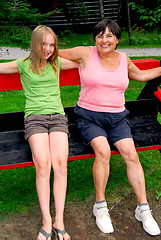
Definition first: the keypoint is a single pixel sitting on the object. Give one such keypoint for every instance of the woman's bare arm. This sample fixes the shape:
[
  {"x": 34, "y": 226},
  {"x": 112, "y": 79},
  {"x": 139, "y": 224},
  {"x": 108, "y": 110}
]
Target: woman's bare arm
[
  {"x": 78, "y": 54},
  {"x": 142, "y": 75}
]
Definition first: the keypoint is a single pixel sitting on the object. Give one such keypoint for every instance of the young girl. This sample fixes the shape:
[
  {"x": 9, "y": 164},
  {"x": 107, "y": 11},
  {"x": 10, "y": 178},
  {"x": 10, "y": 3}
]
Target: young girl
[{"x": 46, "y": 126}]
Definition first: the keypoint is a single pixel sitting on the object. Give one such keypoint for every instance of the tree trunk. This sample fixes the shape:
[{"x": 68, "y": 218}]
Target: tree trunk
[
  {"x": 101, "y": 9},
  {"x": 129, "y": 21}
]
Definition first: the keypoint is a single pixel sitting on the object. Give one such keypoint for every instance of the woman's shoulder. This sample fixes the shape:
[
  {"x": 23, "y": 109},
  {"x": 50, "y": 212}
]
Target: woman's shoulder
[
  {"x": 124, "y": 57},
  {"x": 83, "y": 49},
  {"x": 122, "y": 53}
]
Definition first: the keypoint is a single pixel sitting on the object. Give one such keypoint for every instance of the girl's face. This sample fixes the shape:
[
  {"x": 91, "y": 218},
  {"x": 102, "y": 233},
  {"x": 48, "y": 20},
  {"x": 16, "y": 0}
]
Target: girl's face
[
  {"x": 48, "y": 46},
  {"x": 106, "y": 42}
]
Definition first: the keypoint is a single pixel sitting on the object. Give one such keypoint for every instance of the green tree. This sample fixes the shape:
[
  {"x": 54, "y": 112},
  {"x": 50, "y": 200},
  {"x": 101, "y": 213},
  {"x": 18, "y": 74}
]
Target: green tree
[
  {"x": 18, "y": 12},
  {"x": 16, "y": 17},
  {"x": 149, "y": 14}
]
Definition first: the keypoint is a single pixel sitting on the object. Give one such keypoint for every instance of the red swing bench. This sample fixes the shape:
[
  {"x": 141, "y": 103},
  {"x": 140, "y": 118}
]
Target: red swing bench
[{"x": 15, "y": 151}]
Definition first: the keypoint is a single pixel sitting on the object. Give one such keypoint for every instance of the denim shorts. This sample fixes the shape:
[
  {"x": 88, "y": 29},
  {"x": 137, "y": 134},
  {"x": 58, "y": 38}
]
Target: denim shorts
[
  {"x": 113, "y": 126},
  {"x": 42, "y": 123}
]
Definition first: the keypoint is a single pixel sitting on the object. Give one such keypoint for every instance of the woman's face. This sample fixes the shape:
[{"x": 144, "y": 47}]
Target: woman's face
[
  {"x": 106, "y": 42},
  {"x": 48, "y": 46}
]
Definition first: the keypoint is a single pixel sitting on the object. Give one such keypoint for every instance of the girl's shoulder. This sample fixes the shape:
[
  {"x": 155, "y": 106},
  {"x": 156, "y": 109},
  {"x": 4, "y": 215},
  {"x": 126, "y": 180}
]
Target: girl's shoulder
[
  {"x": 23, "y": 61},
  {"x": 23, "y": 64},
  {"x": 59, "y": 61}
]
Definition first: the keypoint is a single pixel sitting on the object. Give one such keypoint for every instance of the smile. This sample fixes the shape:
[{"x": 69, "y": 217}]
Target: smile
[
  {"x": 105, "y": 45},
  {"x": 46, "y": 54}
]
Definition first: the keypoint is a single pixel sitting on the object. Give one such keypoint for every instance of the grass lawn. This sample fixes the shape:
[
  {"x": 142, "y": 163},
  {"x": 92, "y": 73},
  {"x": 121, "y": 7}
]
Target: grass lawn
[
  {"x": 19, "y": 192},
  {"x": 138, "y": 39}
]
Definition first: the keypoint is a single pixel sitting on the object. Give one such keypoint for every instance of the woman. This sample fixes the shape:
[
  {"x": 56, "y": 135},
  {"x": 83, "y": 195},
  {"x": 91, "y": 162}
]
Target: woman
[
  {"x": 46, "y": 126},
  {"x": 101, "y": 117}
]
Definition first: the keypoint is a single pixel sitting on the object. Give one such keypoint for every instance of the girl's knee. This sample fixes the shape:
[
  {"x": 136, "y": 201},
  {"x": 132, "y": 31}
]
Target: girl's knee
[
  {"x": 43, "y": 167},
  {"x": 60, "y": 166}
]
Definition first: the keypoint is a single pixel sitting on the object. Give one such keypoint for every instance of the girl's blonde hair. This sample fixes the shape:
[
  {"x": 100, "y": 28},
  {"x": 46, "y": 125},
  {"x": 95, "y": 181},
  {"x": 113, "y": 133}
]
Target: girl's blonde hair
[{"x": 37, "y": 61}]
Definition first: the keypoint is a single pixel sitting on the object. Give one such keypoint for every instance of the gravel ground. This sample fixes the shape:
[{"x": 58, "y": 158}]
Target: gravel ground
[
  {"x": 15, "y": 53},
  {"x": 80, "y": 222}
]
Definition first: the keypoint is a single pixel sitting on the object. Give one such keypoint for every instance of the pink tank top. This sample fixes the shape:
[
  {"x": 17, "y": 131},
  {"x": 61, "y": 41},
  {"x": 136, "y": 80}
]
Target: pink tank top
[{"x": 103, "y": 90}]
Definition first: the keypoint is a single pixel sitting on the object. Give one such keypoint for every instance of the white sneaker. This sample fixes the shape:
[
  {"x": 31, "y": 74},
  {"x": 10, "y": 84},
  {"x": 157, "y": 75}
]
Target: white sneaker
[
  {"x": 103, "y": 220},
  {"x": 144, "y": 215}
]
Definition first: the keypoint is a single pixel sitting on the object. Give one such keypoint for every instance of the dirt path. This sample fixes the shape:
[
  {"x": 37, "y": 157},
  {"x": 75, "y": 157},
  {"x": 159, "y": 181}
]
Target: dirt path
[{"x": 80, "y": 222}]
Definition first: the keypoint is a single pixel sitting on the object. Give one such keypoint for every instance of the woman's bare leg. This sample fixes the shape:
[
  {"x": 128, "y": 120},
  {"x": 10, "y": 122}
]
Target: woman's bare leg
[
  {"x": 101, "y": 165},
  {"x": 135, "y": 172}
]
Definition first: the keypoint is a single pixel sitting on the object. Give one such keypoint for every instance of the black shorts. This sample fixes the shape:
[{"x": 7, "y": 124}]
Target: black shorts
[
  {"x": 113, "y": 126},
  {"x": 41, "y": 123}
]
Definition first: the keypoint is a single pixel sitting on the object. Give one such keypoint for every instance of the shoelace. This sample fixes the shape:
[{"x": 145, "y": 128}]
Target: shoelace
[
  {"x": 102, "y": 212},
  {"x": 146, "y": 213}
]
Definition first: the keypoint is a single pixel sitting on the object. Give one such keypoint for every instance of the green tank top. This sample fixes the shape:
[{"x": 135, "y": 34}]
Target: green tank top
[{"x": 42, "y": 91}]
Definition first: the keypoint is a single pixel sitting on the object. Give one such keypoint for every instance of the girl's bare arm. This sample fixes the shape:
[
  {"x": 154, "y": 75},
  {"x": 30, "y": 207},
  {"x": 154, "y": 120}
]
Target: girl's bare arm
[
  {"x": 67, "y": 64},
  {"x": 9, "y": 67}
]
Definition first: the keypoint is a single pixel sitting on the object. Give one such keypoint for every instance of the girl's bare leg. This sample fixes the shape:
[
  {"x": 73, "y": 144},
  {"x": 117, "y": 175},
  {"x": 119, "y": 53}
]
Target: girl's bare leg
[
  {"x": 59, "y": 155},
  {"x": 39, "y": 144}
]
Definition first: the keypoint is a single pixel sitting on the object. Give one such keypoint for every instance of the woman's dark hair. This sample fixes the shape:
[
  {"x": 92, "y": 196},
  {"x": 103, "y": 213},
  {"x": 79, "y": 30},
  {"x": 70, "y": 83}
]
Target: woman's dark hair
[{"x": 102, "y": 25}]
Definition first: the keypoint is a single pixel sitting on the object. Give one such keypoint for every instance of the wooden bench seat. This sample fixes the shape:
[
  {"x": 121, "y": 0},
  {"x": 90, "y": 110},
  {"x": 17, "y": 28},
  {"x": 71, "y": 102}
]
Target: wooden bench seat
[{"x": 15, "y": 151}]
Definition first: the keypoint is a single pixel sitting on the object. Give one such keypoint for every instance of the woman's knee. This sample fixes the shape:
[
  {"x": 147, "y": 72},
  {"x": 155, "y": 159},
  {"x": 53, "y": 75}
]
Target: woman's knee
[
  {"x": 103, "y": 154},
  {"x": 101, "y": 149},
  {"x": 131, "y": 156}
]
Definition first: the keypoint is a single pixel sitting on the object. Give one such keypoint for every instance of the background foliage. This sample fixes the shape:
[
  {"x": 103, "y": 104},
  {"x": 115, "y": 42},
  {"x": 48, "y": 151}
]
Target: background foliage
[
  {"x": 16, "y": 17},
  {"x": 146, "y": 14}
]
